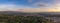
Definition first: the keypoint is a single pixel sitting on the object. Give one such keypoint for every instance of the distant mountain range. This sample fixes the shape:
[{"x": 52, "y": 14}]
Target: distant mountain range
[{"x": 30, "y": 14}]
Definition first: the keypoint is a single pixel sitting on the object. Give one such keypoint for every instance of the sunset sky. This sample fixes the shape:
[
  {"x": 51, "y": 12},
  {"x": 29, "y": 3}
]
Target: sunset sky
[{"x": 30, "y": 5}]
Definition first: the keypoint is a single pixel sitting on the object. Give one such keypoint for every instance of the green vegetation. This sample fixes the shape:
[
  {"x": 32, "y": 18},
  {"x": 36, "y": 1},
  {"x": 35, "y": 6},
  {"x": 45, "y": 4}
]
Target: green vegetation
[{"x": 23, "y": 19}]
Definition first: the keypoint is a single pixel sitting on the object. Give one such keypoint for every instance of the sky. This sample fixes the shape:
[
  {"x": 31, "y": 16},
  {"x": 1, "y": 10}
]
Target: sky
[{"x": 30, "y": 5}]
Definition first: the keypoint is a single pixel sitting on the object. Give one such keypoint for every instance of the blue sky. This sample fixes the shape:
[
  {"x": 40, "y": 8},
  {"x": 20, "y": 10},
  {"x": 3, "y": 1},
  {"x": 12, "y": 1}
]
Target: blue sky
[
  {"x": 30, "y": 5},
  {"x": 24, "y": 2}
]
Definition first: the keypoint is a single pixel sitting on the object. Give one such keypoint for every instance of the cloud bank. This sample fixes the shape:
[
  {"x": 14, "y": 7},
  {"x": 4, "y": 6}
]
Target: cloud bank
[{"x": 11, "y": 7}]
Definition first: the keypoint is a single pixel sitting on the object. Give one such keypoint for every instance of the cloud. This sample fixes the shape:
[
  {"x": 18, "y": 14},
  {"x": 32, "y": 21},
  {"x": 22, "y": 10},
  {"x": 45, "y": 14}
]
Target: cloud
[
  {"x": 41, "y": 4},
  {"x": 30, "y": 1},
  {"x": 31, "y": 10},
  {"x": 6, "y": 6}
]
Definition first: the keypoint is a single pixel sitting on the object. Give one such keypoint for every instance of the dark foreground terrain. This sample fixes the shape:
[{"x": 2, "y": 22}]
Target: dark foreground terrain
[
  {"x": 20, "y": 17},
  {"x": 23, "y": 19}
]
